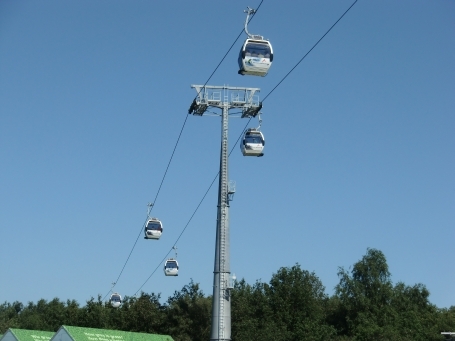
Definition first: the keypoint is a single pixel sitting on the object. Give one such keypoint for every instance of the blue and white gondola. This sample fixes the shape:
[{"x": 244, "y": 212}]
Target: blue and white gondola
[
  {"x": 153, "y": 229},
  {"x": 171, "y": 267},
  {"x": 255, "y": 57},
  {"x": 253, "y": 143},
  {"x": 115, "y": 300},
  {"x": 256, "y": 54}
]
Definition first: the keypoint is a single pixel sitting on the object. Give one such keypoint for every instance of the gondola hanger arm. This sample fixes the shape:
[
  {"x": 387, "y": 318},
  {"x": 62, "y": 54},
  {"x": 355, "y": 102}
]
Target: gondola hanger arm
[{"x": 248, "y": 12}]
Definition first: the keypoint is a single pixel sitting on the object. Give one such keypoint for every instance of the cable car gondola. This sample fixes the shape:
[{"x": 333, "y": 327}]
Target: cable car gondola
[
  {"x": 256, "y": 54},
  {"x": 171, "y": 267},
  {"x": 153, "y": 229},
  {"x": 115, "y": 300},
  {"x": 253, "y": 143},
  {"x": 255, "y": 58}
]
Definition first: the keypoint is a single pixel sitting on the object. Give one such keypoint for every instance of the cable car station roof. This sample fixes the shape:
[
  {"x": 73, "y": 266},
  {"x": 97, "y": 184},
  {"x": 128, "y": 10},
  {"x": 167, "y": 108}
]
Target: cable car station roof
[
  {"x": 69, "y": 333},
  {"x": 14, "y": 334}
]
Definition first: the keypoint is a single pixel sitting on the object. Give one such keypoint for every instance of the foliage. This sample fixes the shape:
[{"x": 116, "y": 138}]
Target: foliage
[
  {"x": 188, "y": 314},
  {"x": 298, "y": 302},
  {"x": 142, "y": 314},
  {"x": 9, "y": 315},
  {"x": 364, "y": 297},
  {"x": 252, "y": 316},
  {"x": 293, "y": 305},
  {"x": 367, "y": 306}
]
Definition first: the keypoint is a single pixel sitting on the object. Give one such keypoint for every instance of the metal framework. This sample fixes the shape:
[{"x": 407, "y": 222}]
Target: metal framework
[{"x": 225, "y": 98}]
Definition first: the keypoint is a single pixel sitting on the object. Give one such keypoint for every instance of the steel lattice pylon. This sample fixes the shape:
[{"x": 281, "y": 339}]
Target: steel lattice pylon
[{"x": 225, "y": 98}]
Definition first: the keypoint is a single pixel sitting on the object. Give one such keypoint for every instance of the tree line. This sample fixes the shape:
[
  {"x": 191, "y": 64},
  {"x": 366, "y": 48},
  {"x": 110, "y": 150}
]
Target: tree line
[{"x": 292, "y": 306}]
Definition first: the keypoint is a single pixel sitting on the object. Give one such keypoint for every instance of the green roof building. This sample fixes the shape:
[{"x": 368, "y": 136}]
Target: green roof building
[
  {"x": 68, "y": 333},
  {"x": 13, "y": 334}
]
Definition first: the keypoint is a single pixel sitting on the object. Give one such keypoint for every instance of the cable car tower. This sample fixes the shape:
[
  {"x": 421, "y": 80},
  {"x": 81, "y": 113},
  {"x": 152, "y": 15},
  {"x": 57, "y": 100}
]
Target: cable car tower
[{"x": 224, "y": 98}]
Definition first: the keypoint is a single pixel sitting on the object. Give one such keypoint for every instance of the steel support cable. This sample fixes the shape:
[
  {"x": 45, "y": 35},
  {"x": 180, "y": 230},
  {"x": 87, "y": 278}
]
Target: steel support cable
[
  {"x": 156, "y": 197},
  {"x": 248, "y": 123},
  {"x": 172, "y": 155},
  {"x": 276, "y": 86},
  {"x": 194, "y": 212}
]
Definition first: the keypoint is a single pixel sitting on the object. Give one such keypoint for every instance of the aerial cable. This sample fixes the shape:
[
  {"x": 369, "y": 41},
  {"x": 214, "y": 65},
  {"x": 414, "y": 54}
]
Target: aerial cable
[
  {"x": 194, "y": 212},
  {"x": 276, "y": 86},
  {"x": 245, "y": 130},
  {"x": 175, "y": 147},
  {"x": 152, "y": 205}
]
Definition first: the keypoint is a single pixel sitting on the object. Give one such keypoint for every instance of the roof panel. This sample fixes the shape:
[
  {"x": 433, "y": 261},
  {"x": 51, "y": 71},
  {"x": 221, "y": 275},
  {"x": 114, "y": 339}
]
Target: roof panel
[
  {"x": 93, "y": 334},
  {"x": 31, "y": 335}
]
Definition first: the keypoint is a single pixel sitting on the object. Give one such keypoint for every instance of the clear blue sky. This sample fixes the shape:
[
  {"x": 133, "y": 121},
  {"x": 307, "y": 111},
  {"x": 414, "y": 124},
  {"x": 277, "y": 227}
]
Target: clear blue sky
[{"x": 359, "y": 153}]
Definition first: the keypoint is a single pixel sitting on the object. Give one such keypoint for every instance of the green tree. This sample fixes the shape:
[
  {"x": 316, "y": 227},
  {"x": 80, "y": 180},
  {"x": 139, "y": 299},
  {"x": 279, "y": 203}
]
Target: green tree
[
  {"x": 33, "y": 316},
  {"x": 415, "y": 317},
  {"x": 9, "y": 315},
  {"x": 188, "y": 314},
  {"x": 95, "y": 315},
  {"x": 446, "y": 319},
  {"x": 252, "y": 316},
  {"x": 143, "y": 314},
  {"x": 48, "y": 315},
  {"x": 73, "y": 314},
  {"x": 365, "y": 297},
  {"x": 298, "y": 301}
]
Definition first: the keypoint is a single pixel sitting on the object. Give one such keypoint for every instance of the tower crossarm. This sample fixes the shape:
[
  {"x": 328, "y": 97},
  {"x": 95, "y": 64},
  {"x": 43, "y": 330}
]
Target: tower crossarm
[
  {"x": 251, "y": 111},
  {"x": 245, "y": 99}
]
